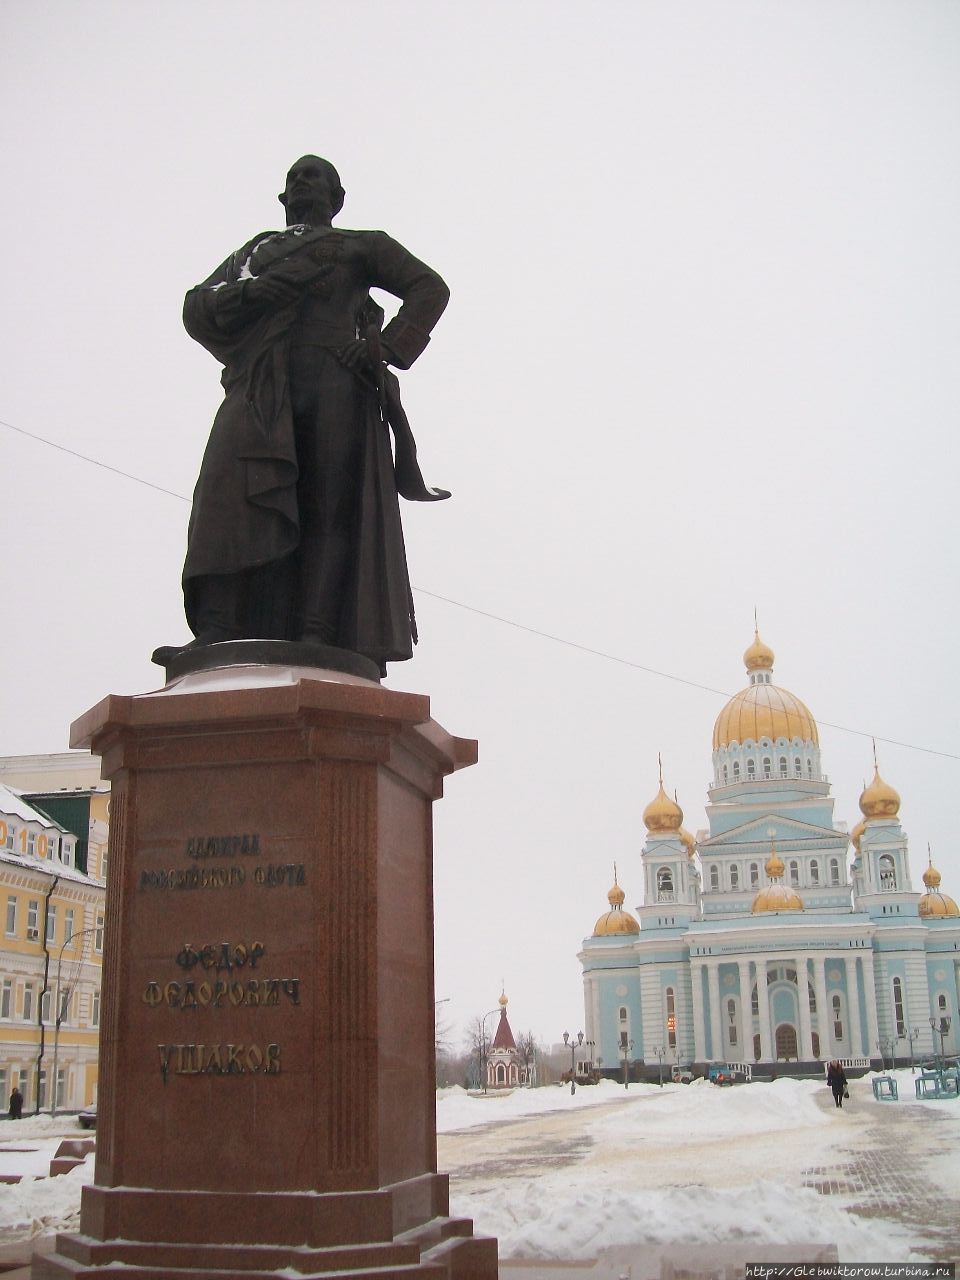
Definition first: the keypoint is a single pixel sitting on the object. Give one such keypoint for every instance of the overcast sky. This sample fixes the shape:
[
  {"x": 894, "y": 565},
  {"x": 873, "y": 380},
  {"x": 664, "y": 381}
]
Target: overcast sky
[{"x": 700, "y": 357}]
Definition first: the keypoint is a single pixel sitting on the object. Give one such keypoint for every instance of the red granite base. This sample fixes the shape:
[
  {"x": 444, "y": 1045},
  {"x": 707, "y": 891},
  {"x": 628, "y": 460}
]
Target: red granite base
[{"x": 267, "y": 1033}]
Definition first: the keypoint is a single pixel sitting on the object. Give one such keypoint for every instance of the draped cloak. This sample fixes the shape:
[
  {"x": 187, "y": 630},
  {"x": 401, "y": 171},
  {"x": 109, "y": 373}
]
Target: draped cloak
[{"x": 244, "y": 514}]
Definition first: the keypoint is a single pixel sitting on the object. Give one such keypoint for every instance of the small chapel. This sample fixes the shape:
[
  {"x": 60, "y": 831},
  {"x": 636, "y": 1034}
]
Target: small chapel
[
  {"x": 774, "y": 935},
  {"x": 506, "y": 1068}
]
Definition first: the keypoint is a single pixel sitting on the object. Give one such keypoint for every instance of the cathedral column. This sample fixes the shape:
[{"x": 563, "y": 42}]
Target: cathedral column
[
  {"x": 805, "y": 1047},
  {"x": 716, "y": 1023},
  {"x": 767, "y": 1052},
  {"x": 699, "y": 1028},
  {"x": 853, "y": 1007},
  {"x": 746, "y": 1017},
  {"x": 824, "y": 1019},
  {"x": 870, "y": 990}
]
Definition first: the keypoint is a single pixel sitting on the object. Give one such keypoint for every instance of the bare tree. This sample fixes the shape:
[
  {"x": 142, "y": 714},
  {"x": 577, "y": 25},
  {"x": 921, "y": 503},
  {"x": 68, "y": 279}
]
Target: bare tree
[{"x": 528, "y": 1048}]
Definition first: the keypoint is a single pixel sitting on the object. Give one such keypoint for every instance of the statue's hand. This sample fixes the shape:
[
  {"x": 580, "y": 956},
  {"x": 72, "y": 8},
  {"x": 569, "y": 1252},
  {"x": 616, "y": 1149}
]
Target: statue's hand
[
  {"x": 356, "y": 355},
  {"x": 285, "y": 283}
]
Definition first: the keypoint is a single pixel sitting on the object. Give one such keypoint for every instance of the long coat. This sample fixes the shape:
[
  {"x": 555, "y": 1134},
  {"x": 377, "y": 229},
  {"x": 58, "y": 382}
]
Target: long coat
[{"x": 244, "y": 512}]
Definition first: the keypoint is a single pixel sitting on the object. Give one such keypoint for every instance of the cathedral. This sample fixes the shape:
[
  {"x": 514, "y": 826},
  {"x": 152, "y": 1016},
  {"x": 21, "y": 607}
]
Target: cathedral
[{"x": 760, "y": 942}]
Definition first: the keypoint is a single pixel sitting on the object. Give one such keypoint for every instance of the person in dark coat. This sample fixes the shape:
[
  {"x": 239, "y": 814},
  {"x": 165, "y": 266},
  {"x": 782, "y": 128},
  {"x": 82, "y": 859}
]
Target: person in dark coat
[
  {"x": 295, "y": 529},
  {"x": 837, "y": 1080},
  {"x": 16, "y": 1104}
]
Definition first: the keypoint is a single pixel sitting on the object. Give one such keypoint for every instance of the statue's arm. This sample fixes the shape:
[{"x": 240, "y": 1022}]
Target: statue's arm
[{"x": 422, "y": 292}]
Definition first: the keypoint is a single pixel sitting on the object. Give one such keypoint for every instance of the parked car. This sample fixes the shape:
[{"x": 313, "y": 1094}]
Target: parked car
[
  {"x": 88, "y": 1117},
  {"x": 681, "y": 1075}
]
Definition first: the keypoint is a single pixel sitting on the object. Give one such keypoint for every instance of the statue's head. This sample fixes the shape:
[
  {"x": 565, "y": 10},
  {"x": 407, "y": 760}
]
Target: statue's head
[{"x": 312, "y": 191}]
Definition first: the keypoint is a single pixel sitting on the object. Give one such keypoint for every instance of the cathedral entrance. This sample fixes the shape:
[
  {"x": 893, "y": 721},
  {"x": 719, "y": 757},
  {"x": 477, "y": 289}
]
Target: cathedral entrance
[{"x": 786, "y": 1041}]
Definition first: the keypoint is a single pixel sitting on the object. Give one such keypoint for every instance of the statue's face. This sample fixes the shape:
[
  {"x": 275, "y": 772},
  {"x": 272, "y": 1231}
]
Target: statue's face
[{"x": 310, "y": 186}]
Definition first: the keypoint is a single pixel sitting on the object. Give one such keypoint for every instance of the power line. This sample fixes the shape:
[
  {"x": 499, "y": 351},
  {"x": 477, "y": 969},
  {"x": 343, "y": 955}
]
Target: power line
[{"x": 507, "y": 622}]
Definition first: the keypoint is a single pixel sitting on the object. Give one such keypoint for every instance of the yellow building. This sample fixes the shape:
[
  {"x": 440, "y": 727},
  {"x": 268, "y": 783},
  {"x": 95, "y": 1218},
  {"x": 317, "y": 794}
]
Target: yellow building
[{"x": 51, "y": 953}]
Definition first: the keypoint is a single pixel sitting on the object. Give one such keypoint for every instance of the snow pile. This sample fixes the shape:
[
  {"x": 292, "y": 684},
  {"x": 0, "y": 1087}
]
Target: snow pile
[{"x": 457, "y": 1109}]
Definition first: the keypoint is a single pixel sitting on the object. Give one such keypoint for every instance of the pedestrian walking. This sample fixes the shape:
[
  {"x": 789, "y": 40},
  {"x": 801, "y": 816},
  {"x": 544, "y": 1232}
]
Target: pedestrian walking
[
  {"x": 837, "y": 1080},
  {"x": 16, "y": 1104}
]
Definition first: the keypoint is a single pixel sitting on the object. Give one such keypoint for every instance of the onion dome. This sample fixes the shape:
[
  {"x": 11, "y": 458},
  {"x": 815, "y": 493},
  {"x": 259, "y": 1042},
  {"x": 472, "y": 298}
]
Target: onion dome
[
  {"x": 776, "y": 896},
  {"x": 934, "y": 904},
  {"x": 763, "y": 710},
  {"x": 616, "y": 920},
  {"x": 503, "y": 1001},
  {"x": 759, "y": 656},
  {"x": 879, "y": 800},
  {"x": 857, "y": 832},
  {"x": 662, "y": 814}
]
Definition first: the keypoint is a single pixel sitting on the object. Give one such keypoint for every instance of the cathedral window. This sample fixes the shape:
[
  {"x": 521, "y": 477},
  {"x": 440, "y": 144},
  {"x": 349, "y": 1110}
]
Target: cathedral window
[
  {"x": 795, "y": 874},
  {"x": 809, "y": 768},
  {"x": 797, "y": 767},
  {"x": 724, "y": 775},
  {"x": 942, "y": 1003},
  {"x": 754, "y": 875},
  {"x": 834, "y": 871},
  {"x": 812, "y": 997},
  {"x": 814, "y": 872},
  {"x": 756, "y": 1047},
  {"x": 736, "y": 770},
  {"x": 766, "y": 766},
  {"x": 751, "y": 768},
  {"x": 754, "y": 1002},
  {"x": 671, "y": 1018},
  {"x": 714, "y": 876},
  {"x": 837, "y": 1020},
  {"x": 665, "y": 884},
  {"x": 734, "y": 877},
  {"x": 898, "y": 1008},
  {"x": 732, "y": 1016},
  {"x": 888, "y": 872},
  {"x": 783, "y": 766}
]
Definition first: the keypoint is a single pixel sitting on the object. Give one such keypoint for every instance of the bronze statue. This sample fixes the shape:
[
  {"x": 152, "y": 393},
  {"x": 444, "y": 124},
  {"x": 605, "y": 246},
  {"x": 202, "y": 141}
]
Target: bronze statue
[{"x": 295, "y": 530}]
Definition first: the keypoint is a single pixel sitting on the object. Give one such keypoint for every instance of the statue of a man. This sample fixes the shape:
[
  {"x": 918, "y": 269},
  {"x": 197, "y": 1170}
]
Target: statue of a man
[{"x": 295, "y": 529}]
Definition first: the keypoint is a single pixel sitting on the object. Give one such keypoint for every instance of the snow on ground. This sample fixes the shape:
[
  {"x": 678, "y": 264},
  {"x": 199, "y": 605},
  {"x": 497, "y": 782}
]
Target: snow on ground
[
  {"x": 686, "y": 1164},
  {"x": 39, "y": 1204}
]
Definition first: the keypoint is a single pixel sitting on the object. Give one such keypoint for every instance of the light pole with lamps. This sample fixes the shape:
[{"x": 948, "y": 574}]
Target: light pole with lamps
[
  {"x": 940, "y": 1030},
  {"x": 625, "y": 1047},
  {"x": 912, "y": 1037},
  {"x": 660, "y": 1051},
  {"x": 574, "y": 1044},
  {"x": 59, "y": 1009}
]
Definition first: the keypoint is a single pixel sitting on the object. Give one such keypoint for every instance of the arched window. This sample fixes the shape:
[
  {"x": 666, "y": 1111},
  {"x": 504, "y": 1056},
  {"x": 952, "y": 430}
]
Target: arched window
[
  {"x": 754, "y": 1002},
  {"x": 898, "y": 1008},
  {"x": 736, "y": 770},
  {"x": 754, "y": 875},
  {"x": 623, "y": 1013},
  {"x": 888, "y": 872},
  {"x": 837, "y": 1019},
  {"x": 942, "y": 1003},
  {"x": 814, "y": 872},
  {"x": 714, "y": 876},
  {"x": 795, "y": 874},
  {"x": 797, "y": 767},
  {"x": 665, "y": 884},
  {"x": 734, "y": 877},
  {"x": 809, "y": 768},
  {"x": 766, "y": 766},
  {"x": 783, "y": 766},
  {"x": 751, "y": 768},
  {"x": 756, "y": 1047},
  {"x": 732, "y": 1018},
  {"x": 834, "y": 871},
  {"x": 671, "y": 1018},
  {"x": 812, "y": 997},
  {"x": 724, "y": 775}
]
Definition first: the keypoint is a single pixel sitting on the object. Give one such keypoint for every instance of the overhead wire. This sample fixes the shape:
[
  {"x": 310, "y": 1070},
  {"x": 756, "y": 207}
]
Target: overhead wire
[{"x": 495, "y": 617}]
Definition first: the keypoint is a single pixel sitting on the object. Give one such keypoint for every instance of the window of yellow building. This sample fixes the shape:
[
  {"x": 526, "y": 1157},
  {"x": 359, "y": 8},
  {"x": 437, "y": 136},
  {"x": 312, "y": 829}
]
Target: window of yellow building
[{"x": 11, "y": 915}]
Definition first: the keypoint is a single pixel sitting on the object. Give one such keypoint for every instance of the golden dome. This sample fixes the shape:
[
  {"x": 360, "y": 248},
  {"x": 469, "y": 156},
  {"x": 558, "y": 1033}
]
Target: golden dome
[
  {"x": 503, "y": 1001},
  {"x": 932, "y": 877},
  {"x": 764, "y": 711},
  {"x": 857, "y": 832},
  {"x": 616, "y": 920},
  {"x": 759, "y": 657},
  {"x": 662, "y": 814},
  {"x": 777, "y": 897},
  {"x": 879, "y": 800},
  {"x": 938, "y": 905},
  {"x": 774, "y": 865}
]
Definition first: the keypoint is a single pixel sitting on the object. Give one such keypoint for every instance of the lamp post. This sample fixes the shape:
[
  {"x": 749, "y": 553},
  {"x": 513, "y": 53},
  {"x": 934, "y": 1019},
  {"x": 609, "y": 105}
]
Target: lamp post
[
  {"x": 574, "y": 1045},
  {"x": 940, "y": 1030},
  {"x": 912, "y": 1036},
  {"x": 59, "y": 1012},
  {"x": 660, "y": 1051},
  {"x": 625, "y": 1048},
  {"x": 483, "y": 1048}
]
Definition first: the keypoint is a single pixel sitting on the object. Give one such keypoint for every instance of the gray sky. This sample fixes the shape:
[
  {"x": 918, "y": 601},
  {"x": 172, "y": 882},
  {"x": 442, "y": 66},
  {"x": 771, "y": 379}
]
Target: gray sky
[{"x": 700, "y": 356}]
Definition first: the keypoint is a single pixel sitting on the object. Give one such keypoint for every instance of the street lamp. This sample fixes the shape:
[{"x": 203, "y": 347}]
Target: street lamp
[
  {"x": 59, "y": 1010},
  {"x": 483, "y": 1048},
  {"x": 625, "y": 1048},
  {"x": 660, "y": 1051},
  {"x": 911, "y": 1037},
  {"x": 940, "y": 1030},
  {"x": 574, "y": 1045}
]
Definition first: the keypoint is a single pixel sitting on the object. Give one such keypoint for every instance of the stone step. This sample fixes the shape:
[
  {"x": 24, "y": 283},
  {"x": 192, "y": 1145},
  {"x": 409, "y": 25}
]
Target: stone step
[
  {"x": 57, "y": 1267},
  {"x": 248, "y": 1257}
]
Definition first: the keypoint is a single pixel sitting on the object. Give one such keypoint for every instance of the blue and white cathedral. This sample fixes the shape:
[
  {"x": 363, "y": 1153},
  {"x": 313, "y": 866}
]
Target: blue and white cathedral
[{"x": 756, "y": 942}]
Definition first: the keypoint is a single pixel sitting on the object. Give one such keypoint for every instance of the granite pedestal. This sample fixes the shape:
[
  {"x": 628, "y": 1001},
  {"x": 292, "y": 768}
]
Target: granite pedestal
[{"x": 266, "y": 1101}]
